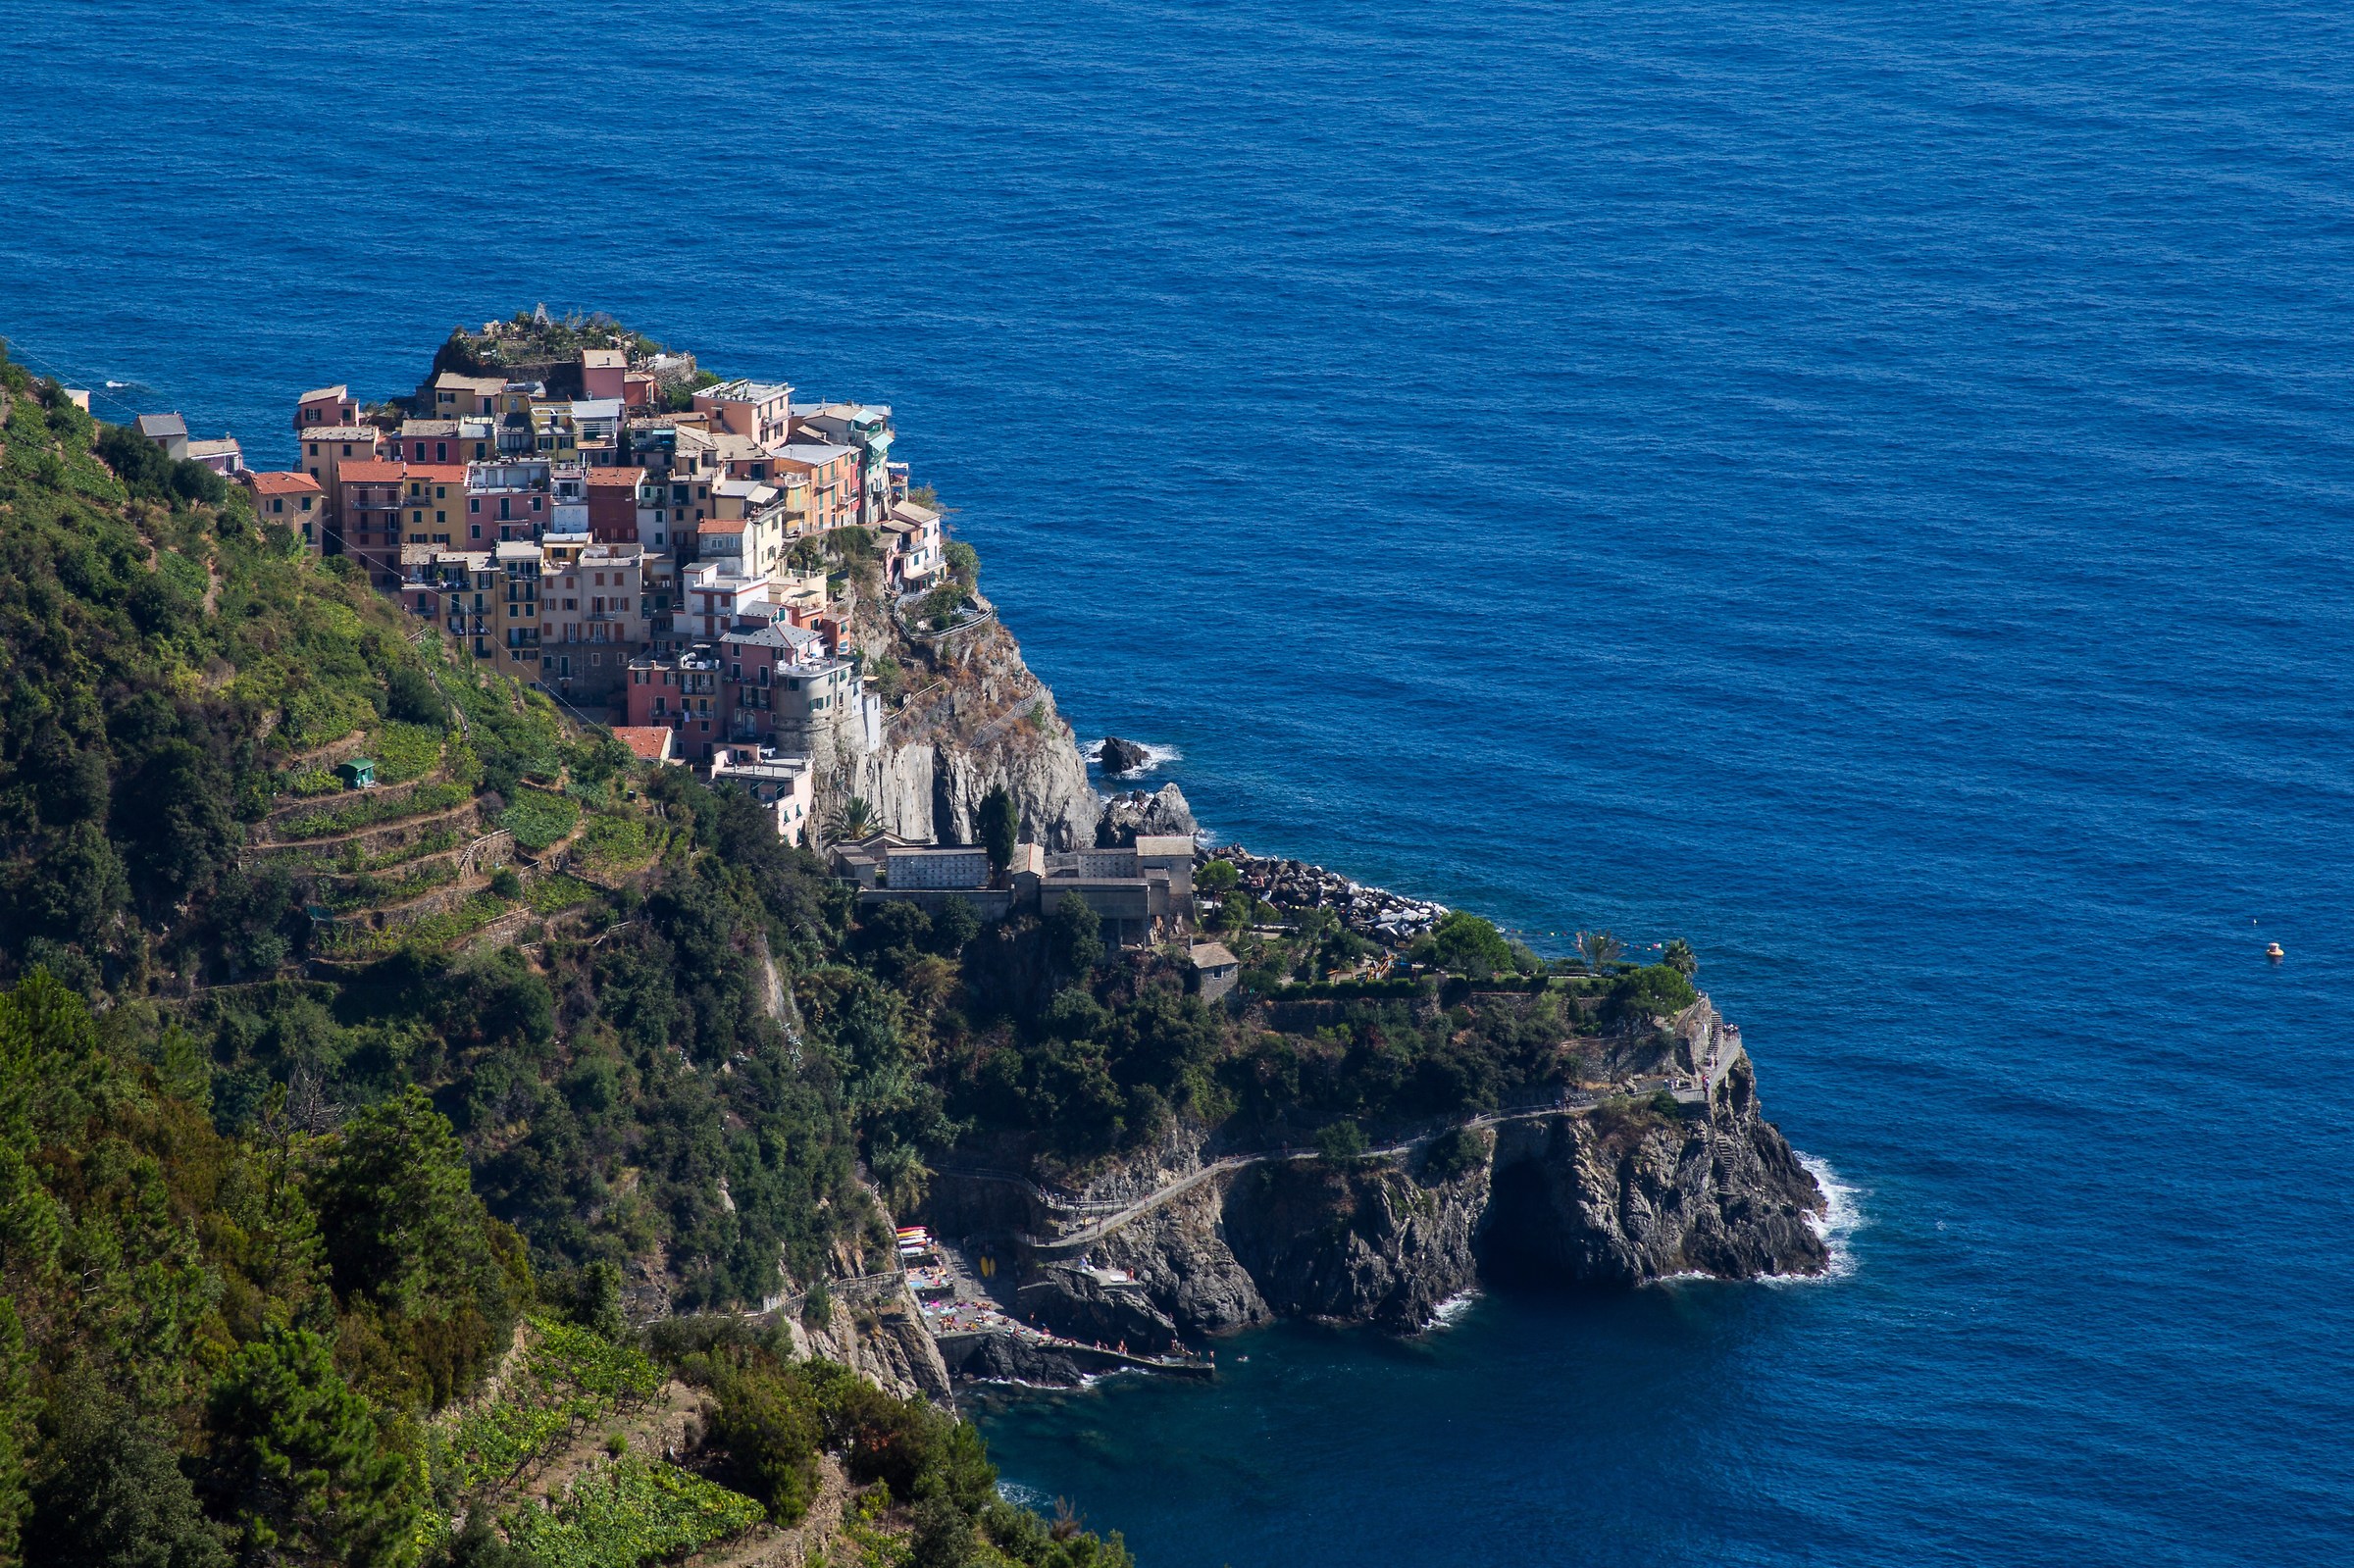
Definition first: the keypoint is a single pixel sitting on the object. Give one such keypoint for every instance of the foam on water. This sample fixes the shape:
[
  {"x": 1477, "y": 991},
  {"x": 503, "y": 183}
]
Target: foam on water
[
  {"x": 1841, "y": 1217},
  {"x": 1155, "y": 757},
  {"x": 1450, "y": 1312}
]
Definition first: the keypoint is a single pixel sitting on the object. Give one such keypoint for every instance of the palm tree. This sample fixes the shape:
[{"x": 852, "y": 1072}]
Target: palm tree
[
  {"x": 854, "y": 818},
  {"x": 1601, "y": 949},
  {"x": 1678, "y": 957}
]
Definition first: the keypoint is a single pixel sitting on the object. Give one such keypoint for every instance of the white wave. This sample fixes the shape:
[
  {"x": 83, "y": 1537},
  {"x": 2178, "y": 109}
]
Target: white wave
[
  {"x": 1679, "y": 1278},
  {"x": 1841, "y": 1218},
  {"x": 1022, "y": 1496},
  {"x": 1450, "y": 1311},
  {"x": 1155, "y": 757}
]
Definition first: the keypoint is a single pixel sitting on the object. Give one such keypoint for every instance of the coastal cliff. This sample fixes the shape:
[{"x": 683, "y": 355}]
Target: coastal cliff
[
  {"x": 971, "y": 717},
  {"x": 1618, "y": 1192}
]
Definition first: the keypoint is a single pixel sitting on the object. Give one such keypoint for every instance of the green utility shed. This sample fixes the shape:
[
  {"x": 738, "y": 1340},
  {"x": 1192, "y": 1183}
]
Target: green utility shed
[{"x": 358, "y": 774}]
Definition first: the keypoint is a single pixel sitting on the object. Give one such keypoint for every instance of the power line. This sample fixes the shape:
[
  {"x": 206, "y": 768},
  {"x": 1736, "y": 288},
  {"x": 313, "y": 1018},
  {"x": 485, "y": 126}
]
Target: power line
[{"x": 16, "y": 350}]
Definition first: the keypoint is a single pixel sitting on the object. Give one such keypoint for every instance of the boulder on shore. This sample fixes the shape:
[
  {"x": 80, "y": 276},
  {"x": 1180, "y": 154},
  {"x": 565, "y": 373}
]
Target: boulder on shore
[
  {"x": 1121, "y": 756},
  {"x": 1164, "y": 812}
]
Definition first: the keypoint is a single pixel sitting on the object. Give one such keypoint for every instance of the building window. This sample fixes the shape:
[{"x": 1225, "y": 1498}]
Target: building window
[{"x": 474, "y": 531}]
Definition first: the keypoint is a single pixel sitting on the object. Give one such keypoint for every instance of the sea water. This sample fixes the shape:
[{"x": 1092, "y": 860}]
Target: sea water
[{"x": 1860, "y": 486}]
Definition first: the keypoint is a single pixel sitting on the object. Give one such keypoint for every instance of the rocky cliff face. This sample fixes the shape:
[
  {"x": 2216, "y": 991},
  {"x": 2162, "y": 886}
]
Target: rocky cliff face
[
  {"x": 886, "y": 1342},
  {"x": 1600, "y": 1198},
  {"x": 975, "y": 719}
]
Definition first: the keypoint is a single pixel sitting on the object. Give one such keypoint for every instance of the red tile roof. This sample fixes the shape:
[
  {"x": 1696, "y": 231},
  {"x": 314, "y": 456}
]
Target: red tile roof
[
  {"x": 371, "y": 471},
  {"x": 616, "y": 476},
  {"x": 280, "y": 483},
  {"x": 648, "y": 742}
]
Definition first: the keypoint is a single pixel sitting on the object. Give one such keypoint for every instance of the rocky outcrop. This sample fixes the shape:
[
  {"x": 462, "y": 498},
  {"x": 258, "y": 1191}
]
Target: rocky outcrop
[
  {"x": 1628, "y": 1198},
  {"x": 1368, "y": 1241},
  {"x": 976, "y": 719},
  {"x": 886, "y": 1342},
  {"x": 1115, "y": 756},
  {"x": 1164, "y": 811},
  {"x": 1080, "y": 1303},
  {"x": 1615, "y": 1194}
]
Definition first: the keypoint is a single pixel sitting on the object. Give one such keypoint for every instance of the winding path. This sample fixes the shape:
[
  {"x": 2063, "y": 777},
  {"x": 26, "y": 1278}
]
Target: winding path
[{"x": 1095, "y": 1231}]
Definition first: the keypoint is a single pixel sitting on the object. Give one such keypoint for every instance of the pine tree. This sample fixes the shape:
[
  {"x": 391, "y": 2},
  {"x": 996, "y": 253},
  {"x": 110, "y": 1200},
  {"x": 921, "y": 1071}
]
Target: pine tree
[{"x": 300, "y": 1466}]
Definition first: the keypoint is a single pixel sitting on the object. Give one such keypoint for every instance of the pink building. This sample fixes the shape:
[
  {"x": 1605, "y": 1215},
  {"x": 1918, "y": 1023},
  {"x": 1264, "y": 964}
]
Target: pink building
[
  {"x": 326, "y": 406},
  {"x": 603, "y": 371}
]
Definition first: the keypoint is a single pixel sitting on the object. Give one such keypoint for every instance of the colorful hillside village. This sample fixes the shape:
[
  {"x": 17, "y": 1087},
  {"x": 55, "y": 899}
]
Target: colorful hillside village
[{"x": 639, "y": 539}]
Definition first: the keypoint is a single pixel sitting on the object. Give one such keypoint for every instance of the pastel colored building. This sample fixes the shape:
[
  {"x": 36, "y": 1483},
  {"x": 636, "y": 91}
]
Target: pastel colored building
[
  {"x": 761, "y": 410},
  {"x": 592, "y": 617},
  {"x": 327, "y": 448},
  {"x": 367, "y": 516},
  {"x": 832, "y": 475},
  {"x": 167, "y": 431},
  {"x": 323, "y": 407},
  {"x": 508, "y": 499},
  {"x": 293, "y": 499},
  {"x": 220, "y": 453},
  {"x": 451, "y": 395},
  {"x": 603, "y": 371},
  {"x": 432, "y": 501},
  {"x": 517, "y": 623},
  {"x": 867, "y": 429}
]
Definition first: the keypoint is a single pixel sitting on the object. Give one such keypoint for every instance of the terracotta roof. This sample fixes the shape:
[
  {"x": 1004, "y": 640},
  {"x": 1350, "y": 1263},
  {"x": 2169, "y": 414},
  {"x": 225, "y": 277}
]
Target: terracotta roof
[
  {"x": 719, "y": 525},
  {"x": 648, "y": 742},
  {"x": 616, "y": 477},
  {"x": 280, "y": 483},
  {"x": 371, "y": 471}
]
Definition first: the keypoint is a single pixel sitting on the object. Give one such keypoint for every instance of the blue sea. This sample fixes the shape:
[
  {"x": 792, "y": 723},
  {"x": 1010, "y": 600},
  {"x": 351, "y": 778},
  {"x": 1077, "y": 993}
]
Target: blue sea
[{"x": 1863, "y": 485}]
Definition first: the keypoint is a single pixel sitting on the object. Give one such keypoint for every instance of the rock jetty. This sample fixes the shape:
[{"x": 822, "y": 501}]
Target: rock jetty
[{"x": 1374, "y": 913}]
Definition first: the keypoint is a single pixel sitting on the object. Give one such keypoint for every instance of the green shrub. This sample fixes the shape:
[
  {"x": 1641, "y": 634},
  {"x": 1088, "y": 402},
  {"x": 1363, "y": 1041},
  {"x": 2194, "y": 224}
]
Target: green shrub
[
  {"x": 1453, "y": 1152},
  {"x": 1652, "y": 991},
  {"x": 1462, "y": 943},
  {"x": 1340, "y": 1141}
]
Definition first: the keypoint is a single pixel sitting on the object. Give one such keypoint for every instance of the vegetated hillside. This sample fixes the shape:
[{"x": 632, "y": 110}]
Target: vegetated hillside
[
  {"x": 330, "y": 1120},
  {"x": 326, "y": 1113}
]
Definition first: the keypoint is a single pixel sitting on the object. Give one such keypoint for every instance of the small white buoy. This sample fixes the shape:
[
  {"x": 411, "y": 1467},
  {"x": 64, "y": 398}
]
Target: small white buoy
[{"x": 2275, "y": 953}]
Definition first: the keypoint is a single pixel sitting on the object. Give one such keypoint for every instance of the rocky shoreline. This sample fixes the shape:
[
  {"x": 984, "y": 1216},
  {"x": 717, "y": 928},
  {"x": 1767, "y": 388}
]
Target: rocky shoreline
[
  {"x": 1374, "y": 913},
  {"x": 1612, "y": 1193}
]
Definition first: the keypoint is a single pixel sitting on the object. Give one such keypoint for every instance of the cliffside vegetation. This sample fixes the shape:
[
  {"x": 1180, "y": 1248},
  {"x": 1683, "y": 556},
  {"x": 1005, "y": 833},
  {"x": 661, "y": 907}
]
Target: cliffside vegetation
[
  {"x": 325, "y": 1112},
  {"x": 313, "y": 1102}
]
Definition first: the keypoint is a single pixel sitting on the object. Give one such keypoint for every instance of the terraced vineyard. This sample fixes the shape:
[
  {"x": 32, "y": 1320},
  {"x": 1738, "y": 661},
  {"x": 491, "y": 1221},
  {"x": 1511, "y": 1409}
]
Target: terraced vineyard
[
  {"x": 567, "y": 1379},
  {"x": 629, "y": 1512},
  {"x": 619, "y": 1512}
]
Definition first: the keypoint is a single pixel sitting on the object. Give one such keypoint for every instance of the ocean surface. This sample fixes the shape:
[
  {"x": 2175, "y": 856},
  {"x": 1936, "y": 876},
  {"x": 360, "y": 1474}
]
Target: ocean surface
[{"x": 1862, "y": 485}]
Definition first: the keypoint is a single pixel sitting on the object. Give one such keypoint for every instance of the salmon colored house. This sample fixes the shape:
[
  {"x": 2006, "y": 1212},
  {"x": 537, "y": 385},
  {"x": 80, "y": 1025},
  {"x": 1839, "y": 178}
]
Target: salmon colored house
[{"x": 295, "y": 499}]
